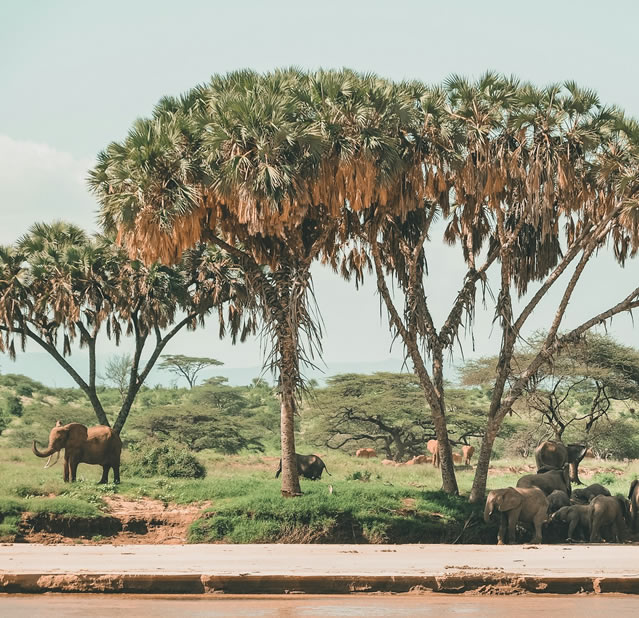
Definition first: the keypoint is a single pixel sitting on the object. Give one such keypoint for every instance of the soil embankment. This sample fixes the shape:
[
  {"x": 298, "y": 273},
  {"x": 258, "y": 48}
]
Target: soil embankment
[{"x": 125, "y": 521}]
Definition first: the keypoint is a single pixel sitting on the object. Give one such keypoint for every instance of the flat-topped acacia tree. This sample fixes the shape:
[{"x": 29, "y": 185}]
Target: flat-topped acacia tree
[{"x": 271, "y": 168}]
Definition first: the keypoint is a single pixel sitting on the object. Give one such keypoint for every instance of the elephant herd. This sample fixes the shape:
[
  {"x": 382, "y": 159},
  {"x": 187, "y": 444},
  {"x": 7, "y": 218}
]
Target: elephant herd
[
  {"x": 543, "y": 501},
  {"x": 546, "y": 503}
]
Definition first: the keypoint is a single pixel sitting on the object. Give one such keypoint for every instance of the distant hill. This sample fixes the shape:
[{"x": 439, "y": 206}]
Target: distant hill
[{"x": 41, "y": 367}]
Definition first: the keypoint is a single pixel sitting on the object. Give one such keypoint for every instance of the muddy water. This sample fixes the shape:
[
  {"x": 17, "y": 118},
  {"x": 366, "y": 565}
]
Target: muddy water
[{"x": 96, "y": 605}]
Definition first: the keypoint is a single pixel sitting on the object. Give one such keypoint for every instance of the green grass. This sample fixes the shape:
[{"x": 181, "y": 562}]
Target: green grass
[
  {"x": 355, "y": 512},
  {"x": 370, "y": 503}
]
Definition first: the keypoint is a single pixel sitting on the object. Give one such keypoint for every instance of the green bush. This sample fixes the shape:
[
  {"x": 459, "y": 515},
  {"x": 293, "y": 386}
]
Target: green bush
[
  {"x": 14, "y": 406},
  {"x": 169, "y": 458}
]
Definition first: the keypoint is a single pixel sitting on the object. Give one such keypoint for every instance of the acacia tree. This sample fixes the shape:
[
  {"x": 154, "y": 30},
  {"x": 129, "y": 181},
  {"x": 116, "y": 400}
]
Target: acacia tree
[
  {"x": 269, "y": 168},
  {"x": 381, "y": 410},
  {"x": 59, "y": 286},
  {"x": 575, "y": 387},
  {"x": 187, "y": 366}
]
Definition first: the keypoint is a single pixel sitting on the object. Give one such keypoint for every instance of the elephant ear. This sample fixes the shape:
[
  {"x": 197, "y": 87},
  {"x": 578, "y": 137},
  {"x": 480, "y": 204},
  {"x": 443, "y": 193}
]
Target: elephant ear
[
  {"x": 77, "y": 434},
  {"x": 632, "y": 488},
  {"x": 509, "y": 499}
]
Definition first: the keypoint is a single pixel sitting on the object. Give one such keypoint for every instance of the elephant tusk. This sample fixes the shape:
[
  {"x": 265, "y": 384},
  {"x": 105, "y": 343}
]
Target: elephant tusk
[{"x": 57, "y": 456}]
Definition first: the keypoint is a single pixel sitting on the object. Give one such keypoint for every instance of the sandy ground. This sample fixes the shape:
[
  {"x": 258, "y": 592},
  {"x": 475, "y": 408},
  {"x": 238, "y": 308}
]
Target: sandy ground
[{"x": 320, "y": 568}]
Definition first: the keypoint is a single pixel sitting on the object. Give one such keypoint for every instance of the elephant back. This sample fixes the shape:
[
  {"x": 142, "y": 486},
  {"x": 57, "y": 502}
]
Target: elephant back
[{"x": 551, "y": 455}]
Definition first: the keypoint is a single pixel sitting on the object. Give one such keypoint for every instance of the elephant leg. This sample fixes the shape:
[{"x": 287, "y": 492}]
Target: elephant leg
[
  {"x": 594, "y": 530},
  {"x": 571, "y": 529},
  {"x": 513, "y": 518},
  {"x": 105, "y": 474},
  {"x": 66, "y": 469},
  {"x": 501, "y": 534},
  {"x": 116, "y": 473},
  {"x": 538, "y": 522},
  {"x": 74, "y": 468}
]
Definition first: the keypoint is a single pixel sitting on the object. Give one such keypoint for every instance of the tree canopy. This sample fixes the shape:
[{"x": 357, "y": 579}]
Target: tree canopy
[
  {"x": 59, "y": 286},
  {"x": 187, "y": 367},
  {"x": 287, "y": 167}
]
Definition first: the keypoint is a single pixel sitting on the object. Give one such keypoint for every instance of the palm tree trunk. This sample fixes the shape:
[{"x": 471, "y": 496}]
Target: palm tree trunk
[{"x": 288, "y": 373}]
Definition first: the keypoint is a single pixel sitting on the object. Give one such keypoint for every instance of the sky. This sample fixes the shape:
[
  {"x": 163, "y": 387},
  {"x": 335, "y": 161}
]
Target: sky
[{"x": 76, "y": 74}]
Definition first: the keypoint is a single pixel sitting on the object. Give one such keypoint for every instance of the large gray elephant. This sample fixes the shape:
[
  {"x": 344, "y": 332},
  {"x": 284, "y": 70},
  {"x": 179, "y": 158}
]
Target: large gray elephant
[
  {"x": 547, "y": 481},
  {"x": 98, "y": 445},
  {"x": 609, "y": 513},
  {"x": 308, "y": 466},
  {"x": 551, "y": 455},
  {"x": 526, "y": 505},
  {"x": 633, "y": 497}
]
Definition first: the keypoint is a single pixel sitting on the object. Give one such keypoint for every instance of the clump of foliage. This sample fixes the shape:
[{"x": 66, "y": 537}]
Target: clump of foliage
[
  {"x": 170, "y": 459},
  {"x": 10, "y": 511},
  {"x": 216, "y": 416}
]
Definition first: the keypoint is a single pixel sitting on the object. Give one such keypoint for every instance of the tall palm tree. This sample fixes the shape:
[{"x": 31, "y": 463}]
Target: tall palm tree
[{"x": 267, "y": 167}]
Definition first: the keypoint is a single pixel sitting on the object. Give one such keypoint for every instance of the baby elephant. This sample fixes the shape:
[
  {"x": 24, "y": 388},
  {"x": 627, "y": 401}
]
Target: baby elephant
[
  {"x": 585, "y": 495},
  {"x": 556, "y": 500},
  {"x": 578, "y": 519},
  {"x": 308, "y": 466},
  {"x": 610, "y": 513},
  {"x": 515, "y": 504}
]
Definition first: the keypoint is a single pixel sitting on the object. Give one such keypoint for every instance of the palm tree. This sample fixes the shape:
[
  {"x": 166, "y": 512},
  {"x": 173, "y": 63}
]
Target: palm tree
[
  {"x": 268, "y": 167},
  {"x": 58, "y": 286}
]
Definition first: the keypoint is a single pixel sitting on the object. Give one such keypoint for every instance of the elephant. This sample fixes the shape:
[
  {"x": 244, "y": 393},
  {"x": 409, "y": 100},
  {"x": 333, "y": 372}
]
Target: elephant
[
  {"x": 557, "y": 499},
  {"x": 99, "y": 445},
  {"x": 528, "y": 505},
  {"x": 308, "y": 466},
  {"x": 433, "y": 448},
  {"x": 585, "y": 495},
  {"x": 609, "y": 512},
  {"x": 633, "y": 497},
  {"x": 547, "y": 481},
  {"x": 551, "y": 455},
  {"x": 578, "y": 517}
]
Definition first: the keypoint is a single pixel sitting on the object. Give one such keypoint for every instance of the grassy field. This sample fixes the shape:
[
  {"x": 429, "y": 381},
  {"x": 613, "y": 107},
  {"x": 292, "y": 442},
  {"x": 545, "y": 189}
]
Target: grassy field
[{"x": 367, "y": 502}]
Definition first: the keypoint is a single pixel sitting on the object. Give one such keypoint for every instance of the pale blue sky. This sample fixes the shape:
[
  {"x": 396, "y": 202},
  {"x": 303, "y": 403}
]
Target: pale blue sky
[{"x": 75, "y": 74}]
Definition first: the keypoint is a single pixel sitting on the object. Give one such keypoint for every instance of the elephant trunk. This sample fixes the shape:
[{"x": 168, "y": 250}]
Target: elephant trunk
[
  {"x": 488, "y": 511},
  {"x": 46, "y": 453}
]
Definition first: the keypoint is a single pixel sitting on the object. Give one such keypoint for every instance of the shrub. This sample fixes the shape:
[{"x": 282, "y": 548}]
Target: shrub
[
  {"x": 14, "y": 406},
  {"x": 170, "y": 459}
]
